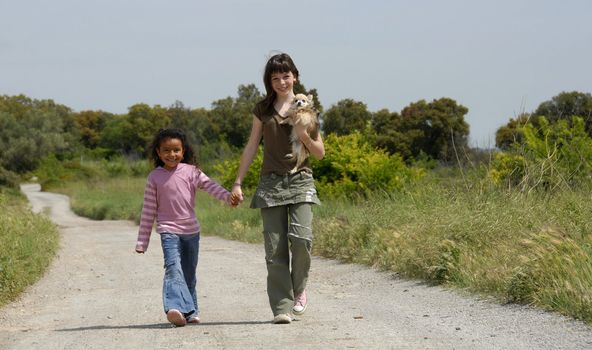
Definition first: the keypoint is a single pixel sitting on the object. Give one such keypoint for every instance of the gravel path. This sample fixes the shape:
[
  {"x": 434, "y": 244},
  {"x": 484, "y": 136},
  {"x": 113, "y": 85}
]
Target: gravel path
[{"x": 99, "y": 294}]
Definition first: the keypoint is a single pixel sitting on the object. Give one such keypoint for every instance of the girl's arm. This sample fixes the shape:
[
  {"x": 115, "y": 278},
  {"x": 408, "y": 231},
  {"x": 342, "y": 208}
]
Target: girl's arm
[
  {"x": 248, "y": 155},
  {"x": 213, "y": 188},
  {"x": 315, "y": 147},
  {"x": 147, "y": 218}
]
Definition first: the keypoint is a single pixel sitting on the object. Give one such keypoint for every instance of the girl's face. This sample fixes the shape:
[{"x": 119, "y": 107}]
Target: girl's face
[
  {"x": 170, "y": 151},
  {"x": 283, "y": 83}
]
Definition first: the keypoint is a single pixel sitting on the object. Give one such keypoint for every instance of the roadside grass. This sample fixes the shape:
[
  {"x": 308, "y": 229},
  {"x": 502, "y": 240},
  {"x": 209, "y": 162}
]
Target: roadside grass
[
  {"x": 110, "y": 198},
  {"x": 529, "y": 248},
  {"x": 121, "y": 199},
  {"x": 28, "y": 243}
]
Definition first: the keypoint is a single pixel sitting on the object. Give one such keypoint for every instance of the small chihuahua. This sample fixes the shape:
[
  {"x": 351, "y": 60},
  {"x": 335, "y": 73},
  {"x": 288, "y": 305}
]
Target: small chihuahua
[{"x": 302, "y": 113}]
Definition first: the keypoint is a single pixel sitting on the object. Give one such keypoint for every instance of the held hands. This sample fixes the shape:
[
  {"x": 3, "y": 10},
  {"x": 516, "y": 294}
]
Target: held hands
[{"x": 236, "y": 196}]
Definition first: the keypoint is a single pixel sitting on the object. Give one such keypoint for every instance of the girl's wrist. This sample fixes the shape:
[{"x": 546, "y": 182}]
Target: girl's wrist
[
  {"x": 236, "y": 184},
  {"x": 307, "y": 141}
]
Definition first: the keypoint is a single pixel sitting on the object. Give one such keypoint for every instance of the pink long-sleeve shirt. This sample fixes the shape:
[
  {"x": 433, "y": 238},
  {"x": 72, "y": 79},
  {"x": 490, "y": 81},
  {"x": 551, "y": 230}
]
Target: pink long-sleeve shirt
[{"x": 169, "y": 197}]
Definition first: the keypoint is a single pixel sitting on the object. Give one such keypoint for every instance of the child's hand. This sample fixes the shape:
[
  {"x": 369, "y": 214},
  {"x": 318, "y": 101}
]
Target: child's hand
[
  {"x": 234, "y": 200},
  {"x": 236, "y": 196}
]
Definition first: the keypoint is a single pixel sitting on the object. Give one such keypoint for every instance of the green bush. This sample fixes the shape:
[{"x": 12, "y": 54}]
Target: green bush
[
  {"x": 507, "y": 169},
  {"x": 553, "y": 156},
  {"x": 8, "y": 178},
  {"x": 51, "y": 172},
  {"x": 226, "y": 171},
  {"x": 351, "y": 167},
  {"x": 140, "y": 168}
]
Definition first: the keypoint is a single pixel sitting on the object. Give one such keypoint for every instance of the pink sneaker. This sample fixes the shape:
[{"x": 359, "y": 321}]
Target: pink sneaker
[{"x": 300, "y": 303}]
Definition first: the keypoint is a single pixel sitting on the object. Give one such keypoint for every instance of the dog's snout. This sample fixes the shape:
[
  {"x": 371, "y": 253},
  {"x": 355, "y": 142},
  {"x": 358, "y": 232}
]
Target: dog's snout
[{"x": 299, "y": 103}]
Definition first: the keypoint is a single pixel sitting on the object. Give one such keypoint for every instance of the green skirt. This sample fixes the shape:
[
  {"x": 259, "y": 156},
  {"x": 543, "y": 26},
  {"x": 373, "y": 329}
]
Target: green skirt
[{"x": 275, "y": 190}]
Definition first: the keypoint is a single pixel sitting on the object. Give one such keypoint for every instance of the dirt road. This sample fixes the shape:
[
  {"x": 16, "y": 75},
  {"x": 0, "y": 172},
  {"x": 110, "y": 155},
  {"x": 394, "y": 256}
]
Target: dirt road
[{"x": 99, "y": 294}]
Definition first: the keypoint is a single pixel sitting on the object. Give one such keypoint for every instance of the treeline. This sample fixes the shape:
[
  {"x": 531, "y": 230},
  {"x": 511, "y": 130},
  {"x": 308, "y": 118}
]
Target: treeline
[
  {"x": 31, "y": 129},
  {"x": 433, "y": 131}
]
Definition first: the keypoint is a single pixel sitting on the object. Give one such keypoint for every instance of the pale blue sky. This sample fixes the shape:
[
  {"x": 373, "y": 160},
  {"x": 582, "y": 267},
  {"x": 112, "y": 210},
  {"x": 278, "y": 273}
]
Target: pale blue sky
[{"x": 497, "y": 58}]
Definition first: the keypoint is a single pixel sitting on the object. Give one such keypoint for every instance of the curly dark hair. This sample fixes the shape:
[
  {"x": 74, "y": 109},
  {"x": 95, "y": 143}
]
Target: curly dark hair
[{"x": 164, "y": 134}]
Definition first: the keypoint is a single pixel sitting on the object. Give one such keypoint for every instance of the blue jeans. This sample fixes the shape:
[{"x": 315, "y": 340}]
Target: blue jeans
[{"x": 180, "y": 263}]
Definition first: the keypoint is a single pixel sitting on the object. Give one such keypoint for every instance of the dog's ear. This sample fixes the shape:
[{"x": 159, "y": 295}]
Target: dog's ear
[{"x": 310, "y": 99}]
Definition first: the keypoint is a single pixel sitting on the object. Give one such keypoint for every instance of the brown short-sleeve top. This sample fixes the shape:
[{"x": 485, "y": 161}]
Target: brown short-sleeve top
[{"x": 276, "y": 143}]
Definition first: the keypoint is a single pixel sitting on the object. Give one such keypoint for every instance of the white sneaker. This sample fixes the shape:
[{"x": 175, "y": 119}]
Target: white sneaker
[
  {"x": 300, "y": 303},
  {"x": 282, "y": 319},
  {"x": 193, "y": 320}
]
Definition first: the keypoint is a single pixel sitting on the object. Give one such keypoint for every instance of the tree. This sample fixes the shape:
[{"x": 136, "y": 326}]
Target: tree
[
  {"x": 32, "y": 129},
  {"x": 90, "y": 124},
  {"x": 511, "y": 133},
  {"x": 566, "y": 105},
  {"x": 563, "y": 106},
  {"x": 437, "y": 129},
  {"x": 386, "y": 134},
  {"x": 145, "y": 123},
  {"x": 115, "y": 137},
  {"x": 233, "y": 117},
  {"x": 131, "y": 133},
  {"x": 346, "y": 117},
  {"x": 195, "y": 123}
]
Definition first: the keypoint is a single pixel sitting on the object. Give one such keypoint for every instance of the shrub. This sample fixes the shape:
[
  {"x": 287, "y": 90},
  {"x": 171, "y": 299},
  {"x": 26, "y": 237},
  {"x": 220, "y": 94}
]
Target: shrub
[
  {"x": 226, "y": 171},
  {"x": 51, "y": 172},
  {"x": 552, "y": 156},
  {"x": 507, "y": 169},
  {"x": 353, "y": 167},
  {"x": 8, "y": 178}
]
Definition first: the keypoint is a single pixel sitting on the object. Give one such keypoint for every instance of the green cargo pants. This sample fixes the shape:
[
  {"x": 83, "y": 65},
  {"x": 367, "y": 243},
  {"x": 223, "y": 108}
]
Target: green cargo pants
[{"x": 287, "y": 228}]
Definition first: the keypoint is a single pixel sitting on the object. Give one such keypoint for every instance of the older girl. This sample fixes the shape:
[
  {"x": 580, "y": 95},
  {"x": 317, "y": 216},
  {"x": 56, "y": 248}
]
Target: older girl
[{"x": 284, "y": 197}]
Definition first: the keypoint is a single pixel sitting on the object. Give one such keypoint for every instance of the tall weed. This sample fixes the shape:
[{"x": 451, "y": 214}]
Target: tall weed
[
  {"x": 28, "y": 242},
  {"x": 472, "y": 240}
]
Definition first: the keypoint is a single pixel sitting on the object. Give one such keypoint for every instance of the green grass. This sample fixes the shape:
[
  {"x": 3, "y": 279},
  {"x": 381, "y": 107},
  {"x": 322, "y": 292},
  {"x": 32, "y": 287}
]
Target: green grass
[
  {"x": 121, "y": 199},
  {"x": 516, "y": 247},
  {"x": 112, "y": 198},
  {"x": 28, "y": 242}
]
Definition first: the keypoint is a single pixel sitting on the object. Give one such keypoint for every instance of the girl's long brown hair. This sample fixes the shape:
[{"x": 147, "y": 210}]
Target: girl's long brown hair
[{"x": 280, "y": 63}]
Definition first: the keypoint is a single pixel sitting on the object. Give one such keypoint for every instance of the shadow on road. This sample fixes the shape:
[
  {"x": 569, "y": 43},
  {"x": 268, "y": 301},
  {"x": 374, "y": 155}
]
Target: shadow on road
[{"x": 159, "y": 326}]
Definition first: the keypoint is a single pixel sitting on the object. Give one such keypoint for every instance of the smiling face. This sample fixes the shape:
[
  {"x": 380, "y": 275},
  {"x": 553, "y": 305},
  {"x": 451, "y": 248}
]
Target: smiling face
[
  {"x": 283, "y": 83},
  {"x": 170, "y": 151}
]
